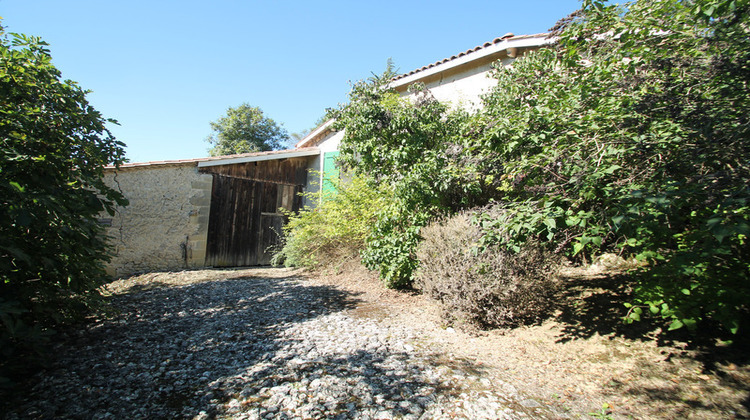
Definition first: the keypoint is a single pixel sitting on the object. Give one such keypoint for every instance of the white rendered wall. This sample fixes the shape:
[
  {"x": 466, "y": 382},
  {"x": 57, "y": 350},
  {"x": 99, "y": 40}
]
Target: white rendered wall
[{"x": 462, "y": 88}]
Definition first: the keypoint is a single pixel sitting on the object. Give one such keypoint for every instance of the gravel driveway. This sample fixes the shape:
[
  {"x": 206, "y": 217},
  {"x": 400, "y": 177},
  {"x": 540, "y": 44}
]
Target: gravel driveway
[{"x": 255, "y": 344}]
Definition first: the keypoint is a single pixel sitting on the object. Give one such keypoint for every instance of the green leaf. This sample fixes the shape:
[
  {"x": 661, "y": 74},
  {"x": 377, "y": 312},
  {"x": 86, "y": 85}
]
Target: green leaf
[
  {"x": 690, "y": 323},
  {"x": 733, "y": 326},
  {"x": 713, "y": 222},
  {"x": 17, "y": 186},
  {"x": 675, "y": 325},
  {"x": 612, "y": 169}
]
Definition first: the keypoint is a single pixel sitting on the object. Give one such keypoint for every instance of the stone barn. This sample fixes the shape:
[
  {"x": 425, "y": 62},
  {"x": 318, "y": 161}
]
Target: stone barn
[{"x": 208, "y": 212}]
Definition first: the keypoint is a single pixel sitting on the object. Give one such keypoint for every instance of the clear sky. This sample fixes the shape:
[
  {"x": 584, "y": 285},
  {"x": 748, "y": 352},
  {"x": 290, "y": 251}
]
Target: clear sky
[{"x": 166, "y": 68}]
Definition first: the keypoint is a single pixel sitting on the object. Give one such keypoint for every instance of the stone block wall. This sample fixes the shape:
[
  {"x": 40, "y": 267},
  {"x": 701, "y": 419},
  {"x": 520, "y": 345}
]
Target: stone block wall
[{"x": 166, "y": 223}]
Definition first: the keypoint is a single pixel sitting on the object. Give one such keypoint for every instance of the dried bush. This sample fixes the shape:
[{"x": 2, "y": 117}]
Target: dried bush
[{"x": 494, "y": 288}]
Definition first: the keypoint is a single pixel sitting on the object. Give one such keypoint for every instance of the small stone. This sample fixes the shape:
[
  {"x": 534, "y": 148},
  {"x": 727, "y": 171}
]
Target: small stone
[
  {"x": 529, "y": 403},
  {"x": 383, "y": 415}
]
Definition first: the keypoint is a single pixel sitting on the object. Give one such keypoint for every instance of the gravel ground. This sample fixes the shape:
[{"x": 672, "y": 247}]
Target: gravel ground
[{"x": 256, "y": 344}]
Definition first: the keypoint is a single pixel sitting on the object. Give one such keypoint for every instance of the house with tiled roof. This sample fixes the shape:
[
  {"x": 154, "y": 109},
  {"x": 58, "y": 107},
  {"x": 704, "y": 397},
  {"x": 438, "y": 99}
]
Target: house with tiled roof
[
  {"x": 460, "y": 80},
  {"x": 228, "y": 211}
]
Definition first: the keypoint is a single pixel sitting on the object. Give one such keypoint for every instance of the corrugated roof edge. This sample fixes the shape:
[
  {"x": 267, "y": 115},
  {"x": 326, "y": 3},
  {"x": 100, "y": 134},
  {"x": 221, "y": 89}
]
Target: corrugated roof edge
[{"x": 215, "y": 159}]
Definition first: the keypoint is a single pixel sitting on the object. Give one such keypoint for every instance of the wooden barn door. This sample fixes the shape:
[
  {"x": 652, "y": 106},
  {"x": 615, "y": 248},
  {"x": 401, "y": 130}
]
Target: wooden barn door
[{"x": 245, "y": 223}]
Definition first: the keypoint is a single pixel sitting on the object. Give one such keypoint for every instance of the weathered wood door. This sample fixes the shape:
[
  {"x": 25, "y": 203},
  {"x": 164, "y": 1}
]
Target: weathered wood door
[{"x": 245, "y": 223}]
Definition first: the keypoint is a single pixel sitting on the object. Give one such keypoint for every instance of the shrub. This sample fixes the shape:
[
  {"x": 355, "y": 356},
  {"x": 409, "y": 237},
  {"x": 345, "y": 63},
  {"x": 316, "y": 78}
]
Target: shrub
[
  {"x": 53, "y": 149},
  {"x": 636, "y": 144},
  {"x": 490, "y": 288},
  {"x": 334, "y": 231},
  {"x": 414, "y": 147},
  {"x": 391, "y": 247},
  {"x": 628, "y": 135}
]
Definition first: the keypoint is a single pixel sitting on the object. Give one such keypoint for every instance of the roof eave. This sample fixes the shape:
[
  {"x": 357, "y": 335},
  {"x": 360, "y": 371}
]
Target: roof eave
[
  {"x": 223, "y": 160},
  {"x": 527, "y": 41},
  {"x": 315, "y": 134},
  {"x": 309, "y": 151}
]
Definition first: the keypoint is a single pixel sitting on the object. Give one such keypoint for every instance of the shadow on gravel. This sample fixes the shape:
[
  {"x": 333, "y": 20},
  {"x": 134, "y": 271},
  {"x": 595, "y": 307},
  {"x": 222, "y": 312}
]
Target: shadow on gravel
[
  {"x": 337, "y": 385},
  {"x": 223, "y": 348},
  {"x": 158, "y": 357},
  {"x": 369, "y": 384}
]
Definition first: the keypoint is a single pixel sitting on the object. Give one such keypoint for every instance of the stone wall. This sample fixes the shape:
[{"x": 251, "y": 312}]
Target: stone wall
[{"x": 166, "y": 223}]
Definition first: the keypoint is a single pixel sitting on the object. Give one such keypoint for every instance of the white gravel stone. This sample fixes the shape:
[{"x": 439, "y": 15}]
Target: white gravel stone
[{"x": 255, "y": 348}]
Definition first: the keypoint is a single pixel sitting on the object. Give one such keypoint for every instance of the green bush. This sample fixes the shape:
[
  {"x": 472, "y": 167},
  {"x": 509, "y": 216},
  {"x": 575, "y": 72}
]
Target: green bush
[
  {"x": 639, "y": 144},
  {"x": 415, "y": 149},
  {"x": 335, "y": 231},
  {"x": 391, "y": 246},
  {"x": 489, "y": 288},
  {"x": 53, "y": 149}
]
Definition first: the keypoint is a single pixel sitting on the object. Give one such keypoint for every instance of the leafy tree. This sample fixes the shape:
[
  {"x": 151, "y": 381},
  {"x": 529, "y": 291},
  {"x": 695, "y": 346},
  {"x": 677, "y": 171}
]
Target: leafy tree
[
  {"x": 53, "y": 150},
  {"x": 245, "y": 129},
  {"x": 387, "y": 75},
  {"x": 631, "y": 135},
  {"x": 410, "y": 147}
]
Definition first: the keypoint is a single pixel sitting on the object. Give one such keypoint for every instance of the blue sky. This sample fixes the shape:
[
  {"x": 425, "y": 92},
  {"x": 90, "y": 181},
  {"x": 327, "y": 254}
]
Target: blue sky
[{"x": 165, "y": 69}]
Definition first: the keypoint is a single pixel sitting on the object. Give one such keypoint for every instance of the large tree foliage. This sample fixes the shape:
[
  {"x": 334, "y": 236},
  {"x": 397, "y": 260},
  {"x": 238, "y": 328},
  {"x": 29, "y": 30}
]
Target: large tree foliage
[
  {"x": 53, "y": 150},
  {"x": 632, "y": 136},
  {"x": 408, "y": 146},
  {"x": 629, "y": 135},
  {"x": 245, "y": 129}
]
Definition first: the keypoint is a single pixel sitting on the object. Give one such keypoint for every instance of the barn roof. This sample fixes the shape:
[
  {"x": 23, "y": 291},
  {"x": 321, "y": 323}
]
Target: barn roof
[{"x": 227, "y": 159}]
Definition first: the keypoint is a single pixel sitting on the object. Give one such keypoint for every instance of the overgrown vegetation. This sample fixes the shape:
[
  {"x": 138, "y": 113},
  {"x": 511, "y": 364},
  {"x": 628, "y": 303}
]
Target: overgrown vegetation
[
  {"x": 632, "y": 136},
  {"x": 53, "y": 149},
  {"x": 629, "y": 135},
  {"x": 335, "y": 230},
  {"x": 414, "y": 147}
]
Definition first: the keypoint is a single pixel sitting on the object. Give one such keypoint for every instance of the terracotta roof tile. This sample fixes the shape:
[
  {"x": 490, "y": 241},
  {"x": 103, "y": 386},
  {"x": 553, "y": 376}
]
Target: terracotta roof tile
[{"x": 467, "y": 52}]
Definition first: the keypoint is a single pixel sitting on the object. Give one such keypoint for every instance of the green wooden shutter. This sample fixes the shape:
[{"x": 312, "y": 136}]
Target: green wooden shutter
[{"x": 330, "y": 172}]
